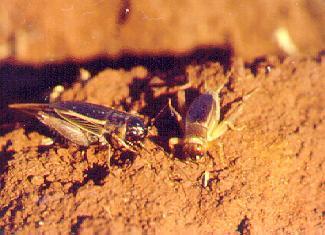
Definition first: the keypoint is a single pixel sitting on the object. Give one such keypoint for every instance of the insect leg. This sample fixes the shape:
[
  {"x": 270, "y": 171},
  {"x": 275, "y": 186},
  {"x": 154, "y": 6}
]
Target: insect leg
[
  {"x": 205, "y": 177},
  {"x": 174, "y": 112},
  {"x": 153, "y": 120},
  {"x": 216, "y": 96},
  {"x": 118, "y": 143},
  {"x": 232, "y": 118},
  {"x": 221, "y": 154},
  {"x": 109, "y": 156},
  {"x": 65, "y": 129},
  {"x": 172, "y": 142},
  {"x": 83, "y": 152},
  {"x": 224, "y": 125},
  {"x": 228, "y": 123}
]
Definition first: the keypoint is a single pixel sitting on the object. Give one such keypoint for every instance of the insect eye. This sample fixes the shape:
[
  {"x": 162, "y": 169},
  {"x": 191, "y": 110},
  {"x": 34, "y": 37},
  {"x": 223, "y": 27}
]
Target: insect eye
[
  {"x": 199, "y": 151},
  {"x": 135, "y": 132}
]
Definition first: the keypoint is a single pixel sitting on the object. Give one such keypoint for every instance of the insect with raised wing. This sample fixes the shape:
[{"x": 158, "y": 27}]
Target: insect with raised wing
[
  {"x": 85, "y": 124},
  {"x": 202, "y": 123}
]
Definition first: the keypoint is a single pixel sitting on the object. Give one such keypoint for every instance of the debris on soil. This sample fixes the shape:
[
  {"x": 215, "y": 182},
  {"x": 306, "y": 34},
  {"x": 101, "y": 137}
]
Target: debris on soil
[{"x": 271, "y": 178}]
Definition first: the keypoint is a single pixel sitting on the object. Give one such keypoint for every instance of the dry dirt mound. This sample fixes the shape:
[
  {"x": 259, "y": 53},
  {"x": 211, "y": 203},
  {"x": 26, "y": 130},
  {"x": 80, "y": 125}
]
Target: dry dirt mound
[{"x": 271, "y": 178}]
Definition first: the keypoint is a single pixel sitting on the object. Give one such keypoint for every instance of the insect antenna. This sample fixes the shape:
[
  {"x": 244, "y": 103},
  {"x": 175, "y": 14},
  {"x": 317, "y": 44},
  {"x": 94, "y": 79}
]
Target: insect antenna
[
  {"x": 153, "y": 120},
  {"x": 150, "y": 124},
  {"x": 249, "y": 94}
]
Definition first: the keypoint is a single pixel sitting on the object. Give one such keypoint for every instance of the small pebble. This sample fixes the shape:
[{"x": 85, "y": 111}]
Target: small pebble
[{"x": 37, "y": 180}]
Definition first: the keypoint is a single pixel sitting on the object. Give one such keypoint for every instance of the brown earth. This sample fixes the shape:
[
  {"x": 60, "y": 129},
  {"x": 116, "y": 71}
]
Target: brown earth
[
  {"x": 271, "y": 178},
  {"x": 36, "y": 31}
]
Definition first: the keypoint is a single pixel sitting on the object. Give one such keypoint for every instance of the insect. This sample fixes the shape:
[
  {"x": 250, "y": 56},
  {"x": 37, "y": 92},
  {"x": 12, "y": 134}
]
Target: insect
[
  {"x": 202, "y": 123},
  {"x": 85, "y": 124}
]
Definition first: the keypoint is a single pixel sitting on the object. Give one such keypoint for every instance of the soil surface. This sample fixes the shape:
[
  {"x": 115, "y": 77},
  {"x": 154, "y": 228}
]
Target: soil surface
[{"x": 269, "y": 178}]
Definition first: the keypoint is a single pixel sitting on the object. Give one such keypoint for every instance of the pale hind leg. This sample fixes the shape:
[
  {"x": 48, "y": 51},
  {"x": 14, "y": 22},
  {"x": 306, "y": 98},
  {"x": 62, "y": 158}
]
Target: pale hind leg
[
  {"x": 228, "y": 123},
  {"x": 216, "y": 95},
  {"x": 172, "y": 142},
  {"x": 176, "y": 114}
]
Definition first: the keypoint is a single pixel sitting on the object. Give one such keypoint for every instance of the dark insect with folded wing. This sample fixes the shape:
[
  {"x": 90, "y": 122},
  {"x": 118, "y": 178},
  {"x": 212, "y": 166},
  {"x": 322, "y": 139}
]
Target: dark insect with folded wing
[{"x": 85, "y": 123}]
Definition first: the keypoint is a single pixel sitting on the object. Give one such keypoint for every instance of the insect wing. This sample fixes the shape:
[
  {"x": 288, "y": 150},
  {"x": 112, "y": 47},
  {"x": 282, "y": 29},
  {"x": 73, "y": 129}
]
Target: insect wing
[
  {"x": 65, "y": 129},
  {"x": 202, "y": 110},
  {"x": 94, "y": 126},
  {"x": 95, "y": 111},
  {"x": 31, "y": 108},
  {"x": 68, "y": 124}
]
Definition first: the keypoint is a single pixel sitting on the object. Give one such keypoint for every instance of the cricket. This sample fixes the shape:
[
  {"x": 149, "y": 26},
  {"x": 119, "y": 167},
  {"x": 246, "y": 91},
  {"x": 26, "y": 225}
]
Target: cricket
[
  {"x": 202, "y": 123},
  {"x": 84, "y": 124}
]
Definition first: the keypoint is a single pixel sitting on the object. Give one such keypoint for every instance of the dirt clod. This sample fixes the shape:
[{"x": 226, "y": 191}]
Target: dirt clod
[{"x": 37, "y": 180}]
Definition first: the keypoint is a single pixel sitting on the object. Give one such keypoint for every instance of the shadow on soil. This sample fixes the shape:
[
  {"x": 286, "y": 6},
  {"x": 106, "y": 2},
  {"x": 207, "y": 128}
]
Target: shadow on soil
[
  {"x": 31, "y": 83},
  {"x": 6, "y": 156}
]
